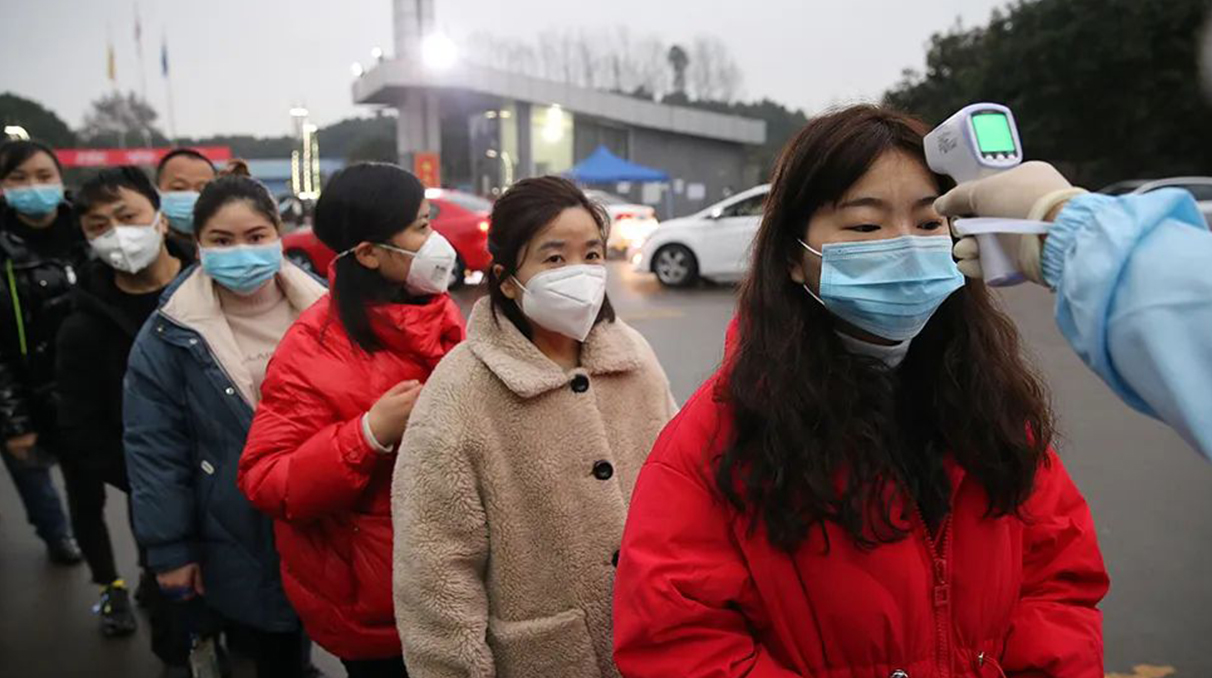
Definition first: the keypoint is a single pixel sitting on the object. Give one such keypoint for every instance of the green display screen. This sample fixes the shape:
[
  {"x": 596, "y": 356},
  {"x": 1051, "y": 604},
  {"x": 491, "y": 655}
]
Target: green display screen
[{"x": 993, "y": 133}]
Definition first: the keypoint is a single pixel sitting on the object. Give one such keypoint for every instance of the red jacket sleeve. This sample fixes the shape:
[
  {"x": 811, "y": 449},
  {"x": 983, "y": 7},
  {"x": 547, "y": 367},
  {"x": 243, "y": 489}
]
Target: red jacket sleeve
[
  {"x": 1056, "y": 630},
  {"x": 302, "y": 461},
  {"x": 680, "y": 568}
]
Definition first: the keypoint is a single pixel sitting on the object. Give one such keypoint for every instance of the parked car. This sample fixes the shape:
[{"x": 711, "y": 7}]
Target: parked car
[
  {"x": 712, "y": 244},
  {"x": 1199, "y": 187},
  {"x": 630, "y": 224},
  {"x": 462, "y": 217}
]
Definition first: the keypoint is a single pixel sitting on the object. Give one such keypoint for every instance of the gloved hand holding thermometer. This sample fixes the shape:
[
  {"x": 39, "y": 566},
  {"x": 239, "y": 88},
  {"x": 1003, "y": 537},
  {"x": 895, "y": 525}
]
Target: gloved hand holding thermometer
[{"x": 979, "y": 147}]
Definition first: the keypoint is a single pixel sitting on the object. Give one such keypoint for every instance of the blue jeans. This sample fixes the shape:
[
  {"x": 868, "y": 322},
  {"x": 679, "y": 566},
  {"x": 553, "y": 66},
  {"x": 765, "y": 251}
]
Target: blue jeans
[{"x": 43, "y": 508}]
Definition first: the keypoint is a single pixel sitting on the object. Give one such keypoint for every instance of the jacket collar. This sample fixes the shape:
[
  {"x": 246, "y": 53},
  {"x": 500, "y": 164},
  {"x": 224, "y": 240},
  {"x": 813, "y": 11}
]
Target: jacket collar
[
  {"x": 193, "y": 303},
  {"x": 425, "y": 330},
  {"x": 523, "y": 368},
  {"x": 97, "y": 289}
]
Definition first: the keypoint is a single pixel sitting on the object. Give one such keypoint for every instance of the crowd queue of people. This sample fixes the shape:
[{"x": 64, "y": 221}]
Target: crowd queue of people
[{"x": 866, "y": 488}]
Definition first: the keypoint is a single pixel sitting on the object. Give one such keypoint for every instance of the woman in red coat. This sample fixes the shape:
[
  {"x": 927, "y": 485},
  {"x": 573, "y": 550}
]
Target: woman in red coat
[
  {"x": 335, "y": 403},
  {"x": 866, "y": 488}
]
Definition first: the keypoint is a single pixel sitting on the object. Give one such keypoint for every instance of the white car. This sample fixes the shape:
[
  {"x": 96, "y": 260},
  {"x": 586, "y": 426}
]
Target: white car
[
  {"x": 712, "y": 244},
  {"x": 630, "y": 224},
  {"x": 1199, "y": 187}
]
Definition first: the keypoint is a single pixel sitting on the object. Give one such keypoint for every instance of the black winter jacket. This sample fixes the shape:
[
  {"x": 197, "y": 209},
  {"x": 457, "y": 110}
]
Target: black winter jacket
[
  {"x": 93, "y": 346},
  {"x": 38, "y": 270}
]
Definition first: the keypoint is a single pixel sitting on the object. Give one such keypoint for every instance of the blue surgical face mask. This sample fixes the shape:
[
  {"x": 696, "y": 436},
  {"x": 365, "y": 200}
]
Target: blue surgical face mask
[
  {"x": 178, "y": 206},
  {"x": 890, "y": 288},
  {"x": 35, "y": 201},
  {"x": 243, "y": 269}
]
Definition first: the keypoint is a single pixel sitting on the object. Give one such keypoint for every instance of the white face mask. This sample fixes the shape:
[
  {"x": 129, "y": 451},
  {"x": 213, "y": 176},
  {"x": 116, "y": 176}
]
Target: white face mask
[
  {"x": 431, "y": 265},
  {"x": 129, "y": 248},
  {"x": 565, "y": 300}
]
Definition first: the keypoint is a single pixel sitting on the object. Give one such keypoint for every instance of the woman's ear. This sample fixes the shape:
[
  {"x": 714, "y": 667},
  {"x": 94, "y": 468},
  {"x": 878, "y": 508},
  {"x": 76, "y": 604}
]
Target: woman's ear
[
  {"x": 796, "y": 268},
  {"x": 162, "y": 224},
  {"x": 367, "y": 255},
  {"x": 508, "y": 287}
]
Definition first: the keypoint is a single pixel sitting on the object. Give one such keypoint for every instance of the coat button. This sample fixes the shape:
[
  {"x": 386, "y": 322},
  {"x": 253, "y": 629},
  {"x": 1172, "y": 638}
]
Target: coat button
[
  {"x": 899, "y": 674},
  {"x": 229, "y": 391},
  {"x": 614, "y": 560},
  {"x": 208, "y": 468},
  {"x": 602, "y": 470},
  {"x": 193, "y": 342},
  {"x": 580, "y": 383}
]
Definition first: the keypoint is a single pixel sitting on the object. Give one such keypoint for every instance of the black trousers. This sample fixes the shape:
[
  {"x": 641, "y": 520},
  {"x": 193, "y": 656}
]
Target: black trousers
[
  {"x": 276, "y": 655},
  {"x": 85, "y": 485},
  {"x": 375, "y": 668}
]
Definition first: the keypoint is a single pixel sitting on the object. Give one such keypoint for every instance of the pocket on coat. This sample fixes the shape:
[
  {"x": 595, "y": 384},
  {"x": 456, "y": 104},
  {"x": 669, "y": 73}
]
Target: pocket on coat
[{"x": 542, "y": 648}]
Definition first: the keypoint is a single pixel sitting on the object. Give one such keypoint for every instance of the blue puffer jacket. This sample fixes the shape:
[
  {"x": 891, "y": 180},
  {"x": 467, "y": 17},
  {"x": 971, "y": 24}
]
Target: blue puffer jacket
[{"x": 187, "y": 409}]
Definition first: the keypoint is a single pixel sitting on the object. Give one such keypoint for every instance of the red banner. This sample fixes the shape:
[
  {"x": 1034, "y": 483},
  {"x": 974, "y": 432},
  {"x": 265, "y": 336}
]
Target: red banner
[
  {"x": 113, "y": 157},
  {"x": 428, "y": 168}
]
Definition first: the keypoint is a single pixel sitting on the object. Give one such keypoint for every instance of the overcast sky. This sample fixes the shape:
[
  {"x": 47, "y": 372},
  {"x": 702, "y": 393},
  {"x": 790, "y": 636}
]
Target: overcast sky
[{"x": 237, "y": 66}]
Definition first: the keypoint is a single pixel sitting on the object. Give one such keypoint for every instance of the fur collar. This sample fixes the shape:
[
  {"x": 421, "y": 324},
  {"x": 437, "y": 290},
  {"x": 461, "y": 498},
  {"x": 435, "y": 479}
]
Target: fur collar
[{"x": 609, "y": 349}]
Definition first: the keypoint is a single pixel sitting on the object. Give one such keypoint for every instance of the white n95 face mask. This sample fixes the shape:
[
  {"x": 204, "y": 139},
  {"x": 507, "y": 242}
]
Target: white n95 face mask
[
  {"x": 129, "y": 249},
  {"x": 565, "y": 300},
  {"x": 432, "y": 265}
]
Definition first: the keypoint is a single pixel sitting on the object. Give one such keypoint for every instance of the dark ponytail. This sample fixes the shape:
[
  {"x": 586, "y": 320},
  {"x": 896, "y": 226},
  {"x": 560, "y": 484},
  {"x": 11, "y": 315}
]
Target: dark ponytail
[{"x": 366, "y": 202}]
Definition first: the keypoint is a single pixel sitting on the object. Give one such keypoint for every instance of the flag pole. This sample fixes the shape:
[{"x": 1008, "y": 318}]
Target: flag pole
[
  {"x": 168, "y": 87},
  {"x": 142, "y": 70}
]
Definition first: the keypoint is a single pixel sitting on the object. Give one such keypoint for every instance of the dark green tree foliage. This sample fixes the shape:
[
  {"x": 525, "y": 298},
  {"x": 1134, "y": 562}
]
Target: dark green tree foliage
[
  {"x": 1106, "y": 89},
  {"x": 41, "y": 124}
]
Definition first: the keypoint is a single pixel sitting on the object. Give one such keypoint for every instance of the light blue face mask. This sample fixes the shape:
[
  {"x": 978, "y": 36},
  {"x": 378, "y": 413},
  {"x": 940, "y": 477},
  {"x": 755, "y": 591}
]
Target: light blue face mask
[
  {"x": 35, "y": 201},
  {"x": 243, "y": 269},
  {"x": 178, "y": 206},
  {"x": 890, "y": 288}
]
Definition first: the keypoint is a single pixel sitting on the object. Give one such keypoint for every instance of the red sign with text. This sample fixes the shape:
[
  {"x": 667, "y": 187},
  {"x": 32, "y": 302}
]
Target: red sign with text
[
  {"x": 113, "y": 157},
  {"x": 428, "y": 168}
]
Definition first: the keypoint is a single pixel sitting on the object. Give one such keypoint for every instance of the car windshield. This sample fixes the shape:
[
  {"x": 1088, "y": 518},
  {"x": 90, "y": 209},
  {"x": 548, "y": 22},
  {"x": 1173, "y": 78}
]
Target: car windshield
[{"x": 467, "y": 201}]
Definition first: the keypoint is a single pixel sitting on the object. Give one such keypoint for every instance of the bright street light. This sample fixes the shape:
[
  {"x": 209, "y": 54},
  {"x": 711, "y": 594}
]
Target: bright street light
[
  {"x": 377, "y": 54},
  {"x": 356, "y": 69},
  {"x": 553, "y": 124},
  {"x": 439, "y": 52},
  {"x": 298, "y": 112},
  {"x": 16, "y": 132}
]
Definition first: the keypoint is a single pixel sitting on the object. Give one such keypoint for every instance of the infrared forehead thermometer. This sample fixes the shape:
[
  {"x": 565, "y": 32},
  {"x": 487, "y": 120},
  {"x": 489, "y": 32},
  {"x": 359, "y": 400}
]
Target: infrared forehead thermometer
[{"x": 976, "y": 142}]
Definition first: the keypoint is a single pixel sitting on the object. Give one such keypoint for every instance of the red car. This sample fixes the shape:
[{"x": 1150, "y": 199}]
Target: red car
[{"x": 461, "y": 217}]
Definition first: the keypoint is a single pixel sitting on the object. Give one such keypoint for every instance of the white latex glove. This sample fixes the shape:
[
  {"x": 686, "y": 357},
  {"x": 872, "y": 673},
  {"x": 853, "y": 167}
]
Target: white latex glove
[{"x": 1033, "y": 190}]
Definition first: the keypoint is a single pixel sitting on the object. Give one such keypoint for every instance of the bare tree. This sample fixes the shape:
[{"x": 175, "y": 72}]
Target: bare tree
[
  {"x": 713, "y": 74},
  {"x": 614, "y": 59},
  {"x": 114, "y": 116}
]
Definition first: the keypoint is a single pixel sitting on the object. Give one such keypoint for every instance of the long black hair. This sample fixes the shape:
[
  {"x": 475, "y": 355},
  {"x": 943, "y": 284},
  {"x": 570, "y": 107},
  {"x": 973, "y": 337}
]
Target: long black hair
[
  {"x": 822, "y": 435},
  {"x": 366, "y": 202},
  {"x": 518, "y": 215}
]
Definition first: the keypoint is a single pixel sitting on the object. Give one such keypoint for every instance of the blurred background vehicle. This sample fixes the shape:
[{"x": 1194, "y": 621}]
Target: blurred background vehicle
[
  {"x": 462, "y": 217},
  {"x": 712, "y": 244},
  {"x": 630, "y": 223}
]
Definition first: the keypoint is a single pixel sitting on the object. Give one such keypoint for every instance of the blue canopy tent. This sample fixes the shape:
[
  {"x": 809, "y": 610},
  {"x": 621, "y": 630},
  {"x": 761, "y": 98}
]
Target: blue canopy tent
[{"x": 604, "y": 167}]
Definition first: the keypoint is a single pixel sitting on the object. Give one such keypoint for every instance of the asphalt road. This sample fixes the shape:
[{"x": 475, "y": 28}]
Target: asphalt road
[{"x": 1151, "y": 497}]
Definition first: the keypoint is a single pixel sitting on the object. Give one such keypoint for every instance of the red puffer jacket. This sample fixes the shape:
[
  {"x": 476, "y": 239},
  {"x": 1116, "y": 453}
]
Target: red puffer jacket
[
  {"x": 308, "y": 465},
  {"x": 698, "y": 595}
]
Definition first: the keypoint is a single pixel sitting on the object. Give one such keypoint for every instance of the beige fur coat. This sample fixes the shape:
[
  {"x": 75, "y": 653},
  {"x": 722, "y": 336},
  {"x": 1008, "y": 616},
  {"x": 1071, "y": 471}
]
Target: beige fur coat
[{"x": 509, "y": 498}]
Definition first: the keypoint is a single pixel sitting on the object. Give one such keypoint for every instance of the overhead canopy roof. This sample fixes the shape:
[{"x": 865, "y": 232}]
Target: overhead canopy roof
[
  {"x": 604, "y": 167},
  {"x": 389, "y": 80}
]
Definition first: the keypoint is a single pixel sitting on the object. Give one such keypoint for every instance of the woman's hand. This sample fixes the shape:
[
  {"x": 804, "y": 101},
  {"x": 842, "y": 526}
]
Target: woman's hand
[
  {"x": 388, "y": 417},
  {"x": 21, "y": 446},
  {"x": 182, "y": 583}
]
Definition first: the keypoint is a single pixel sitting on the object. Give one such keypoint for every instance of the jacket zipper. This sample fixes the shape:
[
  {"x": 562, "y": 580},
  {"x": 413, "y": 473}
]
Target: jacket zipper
[{"x": 941, "y": 588}]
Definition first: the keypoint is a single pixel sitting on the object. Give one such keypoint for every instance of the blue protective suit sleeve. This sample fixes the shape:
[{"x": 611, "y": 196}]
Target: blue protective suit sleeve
[{"x": 1133, "y": 278}]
